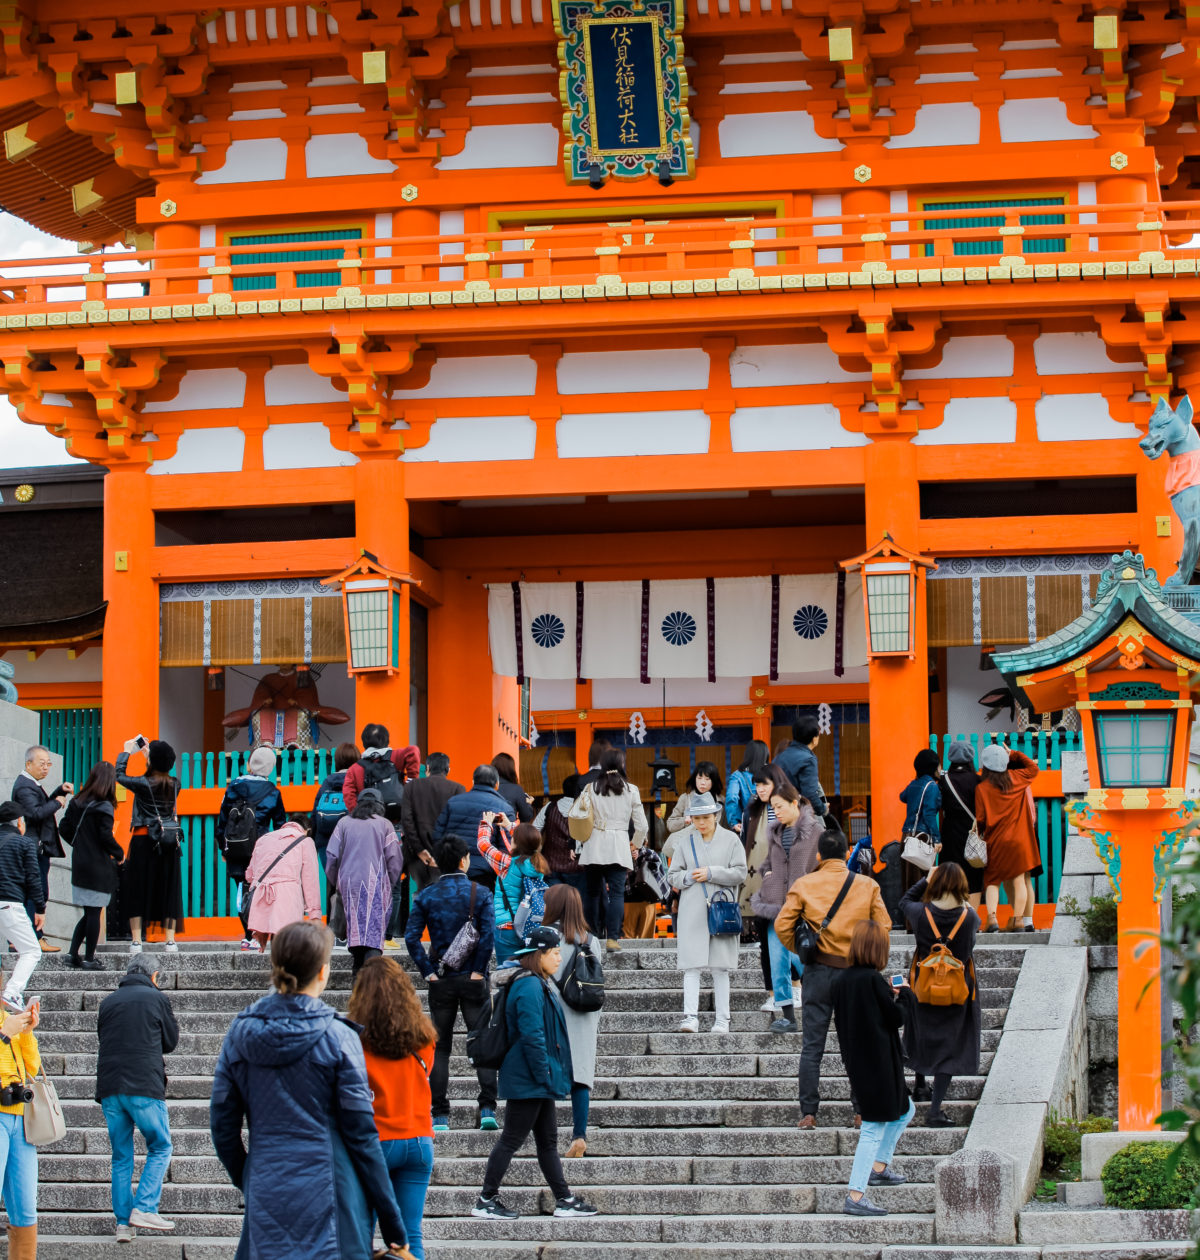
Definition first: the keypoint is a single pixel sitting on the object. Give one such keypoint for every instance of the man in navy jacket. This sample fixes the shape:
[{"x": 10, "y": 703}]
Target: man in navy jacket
[
  {"x": 799, "y": 763},
  {"x": 461, "y": 814}
]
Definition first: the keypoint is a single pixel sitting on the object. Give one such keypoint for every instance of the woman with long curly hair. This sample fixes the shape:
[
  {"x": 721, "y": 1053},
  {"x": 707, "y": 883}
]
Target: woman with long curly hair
[{"x": 398, "y": 1044}]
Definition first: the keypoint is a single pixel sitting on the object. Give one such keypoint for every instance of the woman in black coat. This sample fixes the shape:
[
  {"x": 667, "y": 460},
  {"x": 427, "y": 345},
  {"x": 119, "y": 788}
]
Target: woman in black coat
[
  {"x": 868, "y": 1023},
  {"x": 87, "y": 827},
  {"x": 958, "y": 814},
  {"x": 152, "y": 881},
  {"x": 942, "y": 1041},
  {"x": 511, "y": 789}
]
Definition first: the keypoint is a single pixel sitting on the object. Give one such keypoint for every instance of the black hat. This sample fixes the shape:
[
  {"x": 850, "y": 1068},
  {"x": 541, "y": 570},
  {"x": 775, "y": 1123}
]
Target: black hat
[
  {"x": 10, "y": 811},
  {"x": 160, "y": 756},
  {"x": 540, "y": 938}
]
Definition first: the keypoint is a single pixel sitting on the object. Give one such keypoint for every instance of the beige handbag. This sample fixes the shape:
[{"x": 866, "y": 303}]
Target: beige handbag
[
  {"x": 581, "y": 820},
  {"x": 44, "y": 1120}
]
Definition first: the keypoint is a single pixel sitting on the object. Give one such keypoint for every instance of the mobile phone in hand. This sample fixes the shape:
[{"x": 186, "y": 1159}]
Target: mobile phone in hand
[
  {"x": 141, "y": 741},
  {"x": 897, "y": 980}
]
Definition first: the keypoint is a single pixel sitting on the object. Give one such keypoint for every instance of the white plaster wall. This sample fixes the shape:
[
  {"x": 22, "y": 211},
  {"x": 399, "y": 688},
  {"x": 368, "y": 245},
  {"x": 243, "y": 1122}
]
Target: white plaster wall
[
  {"x": 827, "y": 206},
  {"x": 204, "y": 451},
  {"x": 1070, "y": 353},
  {"x": 290, "y": 384},
  {"x": 760, "y": 135},
  {"x": 965, "y": 358},
  {"x": 383, "y": 229},
  {"x": 507, "y": 147},
  {"x": 798, "y": 427},
  {"x": 476, "y": 439},
  {"x": 966, "y": 682},
  {"x": 205, "y": 389},
  {"x": 813, "y": 364},
  {"x": 55, "y": 666},
  {"x": 483, "y": 376},
  {"x": 345, "y": 154},
  {"x": 898, "y": 204},
  {"x": 551, "y": 693},
  {"x": 955, "y": 122},
  {"x": 632, "y": 371},
  {"x": 1077, "y": 418},
  {"x": 181, "y": 709},
  {"x": 1040, "y": 118},
  {"x": 633, "y": 433},
  {"x": 970, "y": 421},
  {"x": 302, "y": 446},
  {"x": 451, "y": 223},
  {"x": 250, "y": 162}
]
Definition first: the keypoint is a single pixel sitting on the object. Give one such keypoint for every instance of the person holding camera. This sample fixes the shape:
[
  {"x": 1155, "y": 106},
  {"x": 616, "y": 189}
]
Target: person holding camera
[
  {"x": 152, "y": 890},
  {"x": 19, "y": 1060},
  {"x": 39, "y": 808},
  {"x": 136, "y": 1027}
]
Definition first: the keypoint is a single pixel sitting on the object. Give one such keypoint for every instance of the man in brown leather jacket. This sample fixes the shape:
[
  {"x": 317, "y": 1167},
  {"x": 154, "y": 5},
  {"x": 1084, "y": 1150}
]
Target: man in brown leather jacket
[{"x": 811, "y": 897}]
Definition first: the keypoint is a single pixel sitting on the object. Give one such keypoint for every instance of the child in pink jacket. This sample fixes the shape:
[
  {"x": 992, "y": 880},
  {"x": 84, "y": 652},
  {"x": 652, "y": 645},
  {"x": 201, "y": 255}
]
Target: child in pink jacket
[{"x": 290, "y": 889}]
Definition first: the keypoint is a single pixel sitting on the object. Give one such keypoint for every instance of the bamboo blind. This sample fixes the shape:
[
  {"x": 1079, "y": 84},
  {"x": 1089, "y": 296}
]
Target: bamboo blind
[
  {"x": 1004, "y": 608},
  {"x": 231, "y": 632}
]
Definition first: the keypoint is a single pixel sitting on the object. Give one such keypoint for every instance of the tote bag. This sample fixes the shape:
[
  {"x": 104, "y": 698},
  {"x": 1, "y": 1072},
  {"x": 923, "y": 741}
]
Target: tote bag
[{"x": 44, "y": 1120}]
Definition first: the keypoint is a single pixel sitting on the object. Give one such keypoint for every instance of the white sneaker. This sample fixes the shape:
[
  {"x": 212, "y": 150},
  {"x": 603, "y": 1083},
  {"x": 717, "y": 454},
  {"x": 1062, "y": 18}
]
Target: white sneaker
[
  {"x": 135, "y": 947},
  {"x": 769, "y": 1004},
  {"x": 171, "y": 947},
  {"x": 125, "y": 1233},
  {"x": 721, "y": 1027},
  {"x": 690, "y": 1024},
  {"x": 150, "y": 1220}
]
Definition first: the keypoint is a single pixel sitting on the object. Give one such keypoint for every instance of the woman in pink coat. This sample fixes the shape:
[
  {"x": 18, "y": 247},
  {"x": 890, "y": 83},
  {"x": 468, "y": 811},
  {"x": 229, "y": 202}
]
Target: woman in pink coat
[{"x": 288, "y": 890}]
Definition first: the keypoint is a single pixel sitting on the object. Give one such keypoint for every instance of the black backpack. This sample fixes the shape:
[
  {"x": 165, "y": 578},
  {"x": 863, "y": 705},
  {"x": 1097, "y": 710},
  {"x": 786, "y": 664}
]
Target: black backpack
[
  {"x": 241, "y": 830},
  {"x": 381, "y": 774},
  {"x": 582, "y": 985},
  {"x": 488, "y": 1042}
]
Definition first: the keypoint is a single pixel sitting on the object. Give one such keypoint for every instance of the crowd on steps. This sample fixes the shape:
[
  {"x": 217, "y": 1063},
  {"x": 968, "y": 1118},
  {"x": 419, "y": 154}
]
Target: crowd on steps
[{"x": 510, "y": 917}]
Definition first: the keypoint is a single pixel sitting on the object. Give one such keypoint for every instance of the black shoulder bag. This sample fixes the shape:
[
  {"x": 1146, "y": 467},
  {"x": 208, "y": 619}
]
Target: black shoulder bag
[
  {"x": 808, "y": 938},
  {"x": 166, "y": 834}
]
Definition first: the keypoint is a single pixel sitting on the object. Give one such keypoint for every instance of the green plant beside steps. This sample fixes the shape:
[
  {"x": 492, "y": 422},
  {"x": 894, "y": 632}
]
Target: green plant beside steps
[{"x": 1144, "y": 1175}]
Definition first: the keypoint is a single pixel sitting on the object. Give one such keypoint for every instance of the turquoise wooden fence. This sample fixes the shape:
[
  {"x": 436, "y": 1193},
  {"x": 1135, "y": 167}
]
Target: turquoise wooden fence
[
  {"x": 75, "y": 735},
  {"x": 1047, "y": 751},
  {"x": 207, "y": 889}
]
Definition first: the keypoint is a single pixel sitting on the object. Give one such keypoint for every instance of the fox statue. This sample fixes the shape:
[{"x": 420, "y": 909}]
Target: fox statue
[{"x": 1171, "y": 432}]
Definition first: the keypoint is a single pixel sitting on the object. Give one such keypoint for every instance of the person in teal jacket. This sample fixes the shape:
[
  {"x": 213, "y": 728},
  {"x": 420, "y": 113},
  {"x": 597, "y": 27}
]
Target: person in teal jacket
[
  {"x": 923, "y": 797},
  {"x": 535, "y": 1074}
]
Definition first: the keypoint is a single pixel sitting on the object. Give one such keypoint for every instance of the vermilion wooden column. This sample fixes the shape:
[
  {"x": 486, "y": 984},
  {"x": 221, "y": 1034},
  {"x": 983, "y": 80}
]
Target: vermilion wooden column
[
  {"x": 381, "y": 527},
  {"x": 899, "y": 688}
]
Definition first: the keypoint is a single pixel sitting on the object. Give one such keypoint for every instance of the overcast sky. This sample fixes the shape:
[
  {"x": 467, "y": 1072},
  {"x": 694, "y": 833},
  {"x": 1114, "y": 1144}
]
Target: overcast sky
[{"x": 23, "y": 444}]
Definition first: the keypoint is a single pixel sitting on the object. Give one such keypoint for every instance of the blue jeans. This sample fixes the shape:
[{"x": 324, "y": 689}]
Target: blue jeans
[
  {"x": 507, "y": 942},
  {"x": 410, "y": 1165},
  {"x": 876, "y": 1144},
  {"x": 782, "y": 963},
  {"x": 121, "y": 1113},
  {"x": 19, "y": 1170},
  {"x": 581, "y": 1101}
]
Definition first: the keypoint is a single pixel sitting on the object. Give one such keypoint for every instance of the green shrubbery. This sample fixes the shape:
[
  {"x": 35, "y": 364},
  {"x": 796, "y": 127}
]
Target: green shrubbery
[
  {"x": 1148, "y": 1175},
  {"x": 1099, "y": 919},
  {"x": 1061, "y": 1144}
]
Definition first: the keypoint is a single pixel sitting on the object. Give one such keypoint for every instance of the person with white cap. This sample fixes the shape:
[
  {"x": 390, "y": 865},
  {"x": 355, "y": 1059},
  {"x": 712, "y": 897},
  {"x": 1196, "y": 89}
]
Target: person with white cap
[
  {"x": 708, "y": 858},
  {"x": 1004, "y": 807}
]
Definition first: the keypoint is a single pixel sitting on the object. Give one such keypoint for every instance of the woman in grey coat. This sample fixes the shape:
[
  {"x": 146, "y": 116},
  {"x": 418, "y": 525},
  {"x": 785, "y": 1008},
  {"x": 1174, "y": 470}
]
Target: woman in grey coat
[
  {"x": 564, "y": 912},
  {"x": 707, "y": 857}
]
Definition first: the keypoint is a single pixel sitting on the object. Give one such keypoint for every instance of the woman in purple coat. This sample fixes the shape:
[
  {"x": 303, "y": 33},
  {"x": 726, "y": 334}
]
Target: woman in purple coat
[{"x": 364, "y": 862}]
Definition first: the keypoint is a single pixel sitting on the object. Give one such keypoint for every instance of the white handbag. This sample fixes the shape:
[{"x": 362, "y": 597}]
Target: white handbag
[
  {"x": 919, "y": 849},
  {"x": 44, "y": 1120},
  {"x": 975, "y": 849}
]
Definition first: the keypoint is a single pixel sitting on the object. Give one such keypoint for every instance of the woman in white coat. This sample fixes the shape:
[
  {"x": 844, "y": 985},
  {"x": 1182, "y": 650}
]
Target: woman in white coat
[
  {"x": 707, "y": 857},
  {"x": 608, "y": 853}
]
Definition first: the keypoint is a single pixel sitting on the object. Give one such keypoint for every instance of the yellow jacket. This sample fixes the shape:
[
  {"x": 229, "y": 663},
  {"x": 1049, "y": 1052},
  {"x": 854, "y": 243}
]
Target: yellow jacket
[{"x": 22, "y": 1051}]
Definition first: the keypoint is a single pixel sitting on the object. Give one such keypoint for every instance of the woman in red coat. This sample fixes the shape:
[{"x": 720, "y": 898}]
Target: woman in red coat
[{"x": 1004, "y": 808}]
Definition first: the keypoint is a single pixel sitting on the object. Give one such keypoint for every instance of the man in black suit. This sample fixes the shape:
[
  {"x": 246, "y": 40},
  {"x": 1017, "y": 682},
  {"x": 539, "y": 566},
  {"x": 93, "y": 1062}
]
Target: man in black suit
[{"x": 39, "y": 809}]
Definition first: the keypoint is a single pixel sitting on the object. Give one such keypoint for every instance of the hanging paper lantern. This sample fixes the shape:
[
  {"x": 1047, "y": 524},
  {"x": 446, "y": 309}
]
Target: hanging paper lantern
[
  {"x": 704, "y": 726},
  {"x": 824, "y": 719},
  {"x": 637, "y": 728}
]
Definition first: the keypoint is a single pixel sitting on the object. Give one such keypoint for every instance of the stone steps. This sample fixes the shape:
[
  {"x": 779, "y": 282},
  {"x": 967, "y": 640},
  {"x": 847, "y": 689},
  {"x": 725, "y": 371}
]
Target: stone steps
[{"x": 693, "y": 1146}]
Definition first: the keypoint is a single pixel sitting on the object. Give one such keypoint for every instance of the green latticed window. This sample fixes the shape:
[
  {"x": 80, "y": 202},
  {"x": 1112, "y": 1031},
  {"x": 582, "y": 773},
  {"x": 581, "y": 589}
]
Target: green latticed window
[
  {"x": 1135, "y": 747},
  {"x": 1036, "y": 245},
  {"x": 304, "y": 279}
]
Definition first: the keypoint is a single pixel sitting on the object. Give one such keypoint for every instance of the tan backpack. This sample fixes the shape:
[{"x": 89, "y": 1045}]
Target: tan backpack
[{"x": 940, "y": 979}]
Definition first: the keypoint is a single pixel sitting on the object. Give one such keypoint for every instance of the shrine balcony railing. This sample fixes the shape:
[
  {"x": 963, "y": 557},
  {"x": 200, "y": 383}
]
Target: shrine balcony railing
[{"x": 693, "y": 257}]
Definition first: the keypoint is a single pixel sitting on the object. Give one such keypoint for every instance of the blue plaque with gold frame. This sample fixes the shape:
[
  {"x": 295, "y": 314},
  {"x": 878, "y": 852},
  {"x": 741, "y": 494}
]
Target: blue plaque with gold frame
[{"x": 623, "y": 89}]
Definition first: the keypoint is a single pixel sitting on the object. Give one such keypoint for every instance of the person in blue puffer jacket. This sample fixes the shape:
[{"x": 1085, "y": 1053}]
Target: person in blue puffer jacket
[
  {"x": 293, "y": 1069},
  {"x": 535, "y": 1074}
]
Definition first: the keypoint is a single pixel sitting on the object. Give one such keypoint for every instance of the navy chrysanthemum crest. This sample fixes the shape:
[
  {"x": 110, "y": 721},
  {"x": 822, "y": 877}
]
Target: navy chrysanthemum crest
[
  {"x": 547, "y": 630},
  {"x": 679, "y": 628},
  {"x": 810, "y": 621}
]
